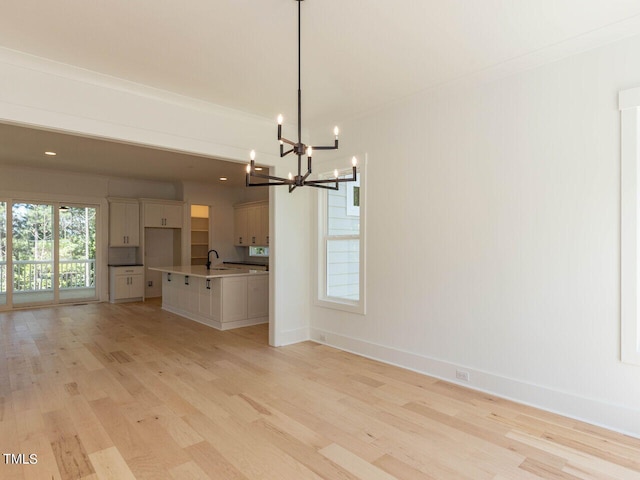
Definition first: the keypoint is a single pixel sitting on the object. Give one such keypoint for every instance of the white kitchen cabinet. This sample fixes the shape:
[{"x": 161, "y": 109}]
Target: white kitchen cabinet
[
  {"x": 241, "y": 233},
  {"x": 263, "y": 225},
  {"x": 258, "y": 296},
  {"x": 126, "y": 284},
  {"x": 162, "y": 214},
  {"x": 124, "y": 223},
  {"x": 251, "y": 224},
  {"x": 234, "y": 298},
  {"x": 220, "y": 302}
]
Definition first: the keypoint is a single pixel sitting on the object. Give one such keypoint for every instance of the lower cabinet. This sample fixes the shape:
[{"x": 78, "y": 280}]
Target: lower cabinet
[
  {"x": 126, "y": 284},
  {"x": 221, "y": 302}
]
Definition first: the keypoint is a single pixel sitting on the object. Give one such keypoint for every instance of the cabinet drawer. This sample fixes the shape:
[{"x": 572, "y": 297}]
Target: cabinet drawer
[{"x": 136, "y": 270}]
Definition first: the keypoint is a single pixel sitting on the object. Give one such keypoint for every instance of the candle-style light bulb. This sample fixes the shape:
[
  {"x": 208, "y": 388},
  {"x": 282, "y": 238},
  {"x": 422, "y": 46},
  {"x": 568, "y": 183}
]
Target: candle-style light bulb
[
  {"x": 354, "y": 161},
  {"x": 248, "y": 168},
  {"x": 280, "y": 119},
  {"x": 290, "y": 176},
  {"x": 309, "y": 152},
  {"x": 252, "y": 155},
  {"x": 336, "y": 131},
  {"x": 335, "y": 173}
]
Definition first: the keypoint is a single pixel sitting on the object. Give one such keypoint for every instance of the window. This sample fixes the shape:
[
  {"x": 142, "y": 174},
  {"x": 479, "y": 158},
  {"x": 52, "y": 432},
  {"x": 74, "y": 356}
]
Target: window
[
  {"x": 341, "y": 247},
  {"x": 629, "y": 103}
]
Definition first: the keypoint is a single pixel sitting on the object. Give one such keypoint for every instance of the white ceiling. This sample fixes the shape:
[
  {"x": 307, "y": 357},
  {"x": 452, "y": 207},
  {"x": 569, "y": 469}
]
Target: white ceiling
[{"x": 357, "y": 54}]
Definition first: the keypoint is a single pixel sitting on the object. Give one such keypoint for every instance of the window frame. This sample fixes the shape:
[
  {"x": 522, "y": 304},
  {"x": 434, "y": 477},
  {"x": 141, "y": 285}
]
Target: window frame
[
  {"x": 322, "y": 237},
  {"x": 629, "y": 104}
]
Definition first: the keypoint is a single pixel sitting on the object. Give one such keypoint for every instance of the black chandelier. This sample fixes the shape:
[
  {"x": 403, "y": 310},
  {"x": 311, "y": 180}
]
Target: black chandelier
[{"x": 300, "y": 149}]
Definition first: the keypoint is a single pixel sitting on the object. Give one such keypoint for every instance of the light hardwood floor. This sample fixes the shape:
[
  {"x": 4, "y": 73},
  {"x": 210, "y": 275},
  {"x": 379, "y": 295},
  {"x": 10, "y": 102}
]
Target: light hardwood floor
[{"x": 128, "y": 391}]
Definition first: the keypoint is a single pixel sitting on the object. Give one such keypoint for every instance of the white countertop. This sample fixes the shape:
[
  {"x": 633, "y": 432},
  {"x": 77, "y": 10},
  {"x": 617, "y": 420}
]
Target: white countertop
[{"x": 202, "y": 272}]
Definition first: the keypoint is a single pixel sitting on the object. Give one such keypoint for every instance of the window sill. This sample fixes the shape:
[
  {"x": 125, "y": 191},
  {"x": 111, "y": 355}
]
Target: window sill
[{"x": 341, "y": 304}]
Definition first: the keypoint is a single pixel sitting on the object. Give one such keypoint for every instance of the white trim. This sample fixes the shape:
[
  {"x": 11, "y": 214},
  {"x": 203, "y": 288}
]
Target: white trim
[
  {"x": 320, "y": 299},
  {"x": 629, "y": 101},
  {"x": 296, "y": 335},
  {"x": 596, "y": 412}
]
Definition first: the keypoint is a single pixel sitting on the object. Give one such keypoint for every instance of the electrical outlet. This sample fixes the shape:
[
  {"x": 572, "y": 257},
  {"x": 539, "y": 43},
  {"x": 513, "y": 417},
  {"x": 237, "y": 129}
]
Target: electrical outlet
[
  {"x": 462, "y": 375},
  {"x": 323, "y": 337}
]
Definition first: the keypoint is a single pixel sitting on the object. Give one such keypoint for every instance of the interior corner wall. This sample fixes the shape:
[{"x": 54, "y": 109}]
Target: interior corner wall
[{"x": 493, "y": 237}]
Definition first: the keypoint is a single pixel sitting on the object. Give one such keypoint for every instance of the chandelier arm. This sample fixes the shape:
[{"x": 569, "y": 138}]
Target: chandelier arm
[
  {"x": 265, "y": 184},
  {"x": 284, "y": 154},
  {"x": 270, "y": 177},
  {"x": 330, "y": 180},
  {"x": 325, "y": 147},
  {"x": 326, "y": 187},
  {"x": 286, "y": 140},
  {"x": 306, "y": 175}
]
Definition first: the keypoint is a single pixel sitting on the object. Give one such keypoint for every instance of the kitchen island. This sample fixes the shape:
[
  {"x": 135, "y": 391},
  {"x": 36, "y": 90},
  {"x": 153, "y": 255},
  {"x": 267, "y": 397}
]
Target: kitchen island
[{"x": 221, "y": 297}]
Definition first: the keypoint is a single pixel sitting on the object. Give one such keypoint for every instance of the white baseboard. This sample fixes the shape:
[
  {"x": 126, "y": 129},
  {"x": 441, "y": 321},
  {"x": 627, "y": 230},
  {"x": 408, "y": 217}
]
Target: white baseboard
[
  {"x": 596, "y": 412},
  {"x": 289, "y": 337}
]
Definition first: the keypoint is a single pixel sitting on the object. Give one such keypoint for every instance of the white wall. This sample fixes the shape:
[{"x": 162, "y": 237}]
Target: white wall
[{"x": 493, "y": 241}]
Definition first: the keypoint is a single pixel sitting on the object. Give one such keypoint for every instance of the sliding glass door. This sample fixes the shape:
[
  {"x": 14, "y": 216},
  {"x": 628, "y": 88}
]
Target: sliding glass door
[
  {"x": 32, "y": 253},
  {"x": 77, "y": 253},
  {"x": 52, "y": 253}
]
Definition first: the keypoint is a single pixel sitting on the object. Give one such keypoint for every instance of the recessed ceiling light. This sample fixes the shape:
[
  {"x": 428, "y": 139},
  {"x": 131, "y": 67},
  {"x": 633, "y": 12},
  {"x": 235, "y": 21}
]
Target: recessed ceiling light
[
  {"x": 50, "y": 153},
  {"x": 224, "y": 179}
]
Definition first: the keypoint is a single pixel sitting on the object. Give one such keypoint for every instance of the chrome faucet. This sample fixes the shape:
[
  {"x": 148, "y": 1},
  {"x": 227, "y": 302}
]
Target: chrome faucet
[{"x": 209, "y": 258}]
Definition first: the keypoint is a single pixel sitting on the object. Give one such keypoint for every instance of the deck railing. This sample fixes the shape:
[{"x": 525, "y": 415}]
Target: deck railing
[{"x": 37, "y": 275}]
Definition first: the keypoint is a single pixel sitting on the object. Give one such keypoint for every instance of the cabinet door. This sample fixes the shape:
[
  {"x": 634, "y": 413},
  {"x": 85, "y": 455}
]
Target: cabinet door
[
  {"x": 173, "y": 216},
  {"x": 121, "y": 287},
  {"x": 169, "y": 290},
  {"x": 193, "y": 290},
  {"x": 124, "y": 224},
  {"x": 117, "y": 224},
  {"x": 204, "y": 298},
  {"x": 263, "y": 231},
  {"x": 258, "y": 296},
  {"x": 153, "y": 215},
  {"x": 240, "y": 226},
  {"x": 234, "y": 299},
  {"x": 253, "y": 225},
  {"x": 132, "y": 224},
  {"x": 136, "y": 284}
]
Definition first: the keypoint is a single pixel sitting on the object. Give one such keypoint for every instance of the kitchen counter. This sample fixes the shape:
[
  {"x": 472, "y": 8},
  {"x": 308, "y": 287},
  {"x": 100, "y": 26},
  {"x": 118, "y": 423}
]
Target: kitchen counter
[
  {"x": 200, "y": 271},
  {"x": 240, "y": 262},
  {"x": 221, "y": 298}
]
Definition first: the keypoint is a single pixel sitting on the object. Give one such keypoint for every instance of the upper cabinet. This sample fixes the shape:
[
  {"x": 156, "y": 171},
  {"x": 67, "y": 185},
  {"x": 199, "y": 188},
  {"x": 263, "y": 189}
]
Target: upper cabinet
[
  {"x": 163, "y": 214},
  {"x": 251, "y": 224},
  {"x": 124, "y": 223}
]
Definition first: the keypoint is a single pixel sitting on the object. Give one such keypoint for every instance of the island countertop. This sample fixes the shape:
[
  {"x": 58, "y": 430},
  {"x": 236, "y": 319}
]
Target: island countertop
[{"x": 202, "y": 272}]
